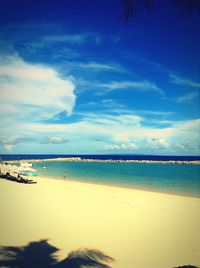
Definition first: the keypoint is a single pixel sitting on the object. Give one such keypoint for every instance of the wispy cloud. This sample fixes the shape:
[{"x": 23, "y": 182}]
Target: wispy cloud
[
  {"x": 188, "y": 97},
  {"x": 105, "y": 119},
  {"x": 95, "y": 66},
  {"x": 155, "y": 113},
  {"x": 46, "y": 42},
  {"x": 143, "y": 85},
  {"x": 66, "y": 38},
  {"x": 73, "y": 38},
  {"x": 109, "y": 106},
  {"x": 102, "y": 66},
  {"x": 182, "y": 81},
  {"x": 158, "y": 67},
  {"x": 54, "y": 140}
]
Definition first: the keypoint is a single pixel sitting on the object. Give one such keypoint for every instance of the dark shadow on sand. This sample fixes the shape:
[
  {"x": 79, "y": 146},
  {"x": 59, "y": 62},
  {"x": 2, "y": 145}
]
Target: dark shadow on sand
[
  {"x": 187, "y": 266},
  {"x": 18, "y": 179},
  {"x": 43, "y": 255}
]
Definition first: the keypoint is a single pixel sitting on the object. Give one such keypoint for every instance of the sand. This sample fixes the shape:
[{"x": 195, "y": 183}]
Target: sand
[{"x": 137, "y": 228}]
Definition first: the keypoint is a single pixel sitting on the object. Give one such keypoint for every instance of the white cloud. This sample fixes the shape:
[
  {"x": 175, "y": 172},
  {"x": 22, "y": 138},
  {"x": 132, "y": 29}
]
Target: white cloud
[
  {"x": 143, "y": 85},
  {"x": 158, "y": 143},
  {"x": 126, "y": 132},
  {"x": 30, "y": 93},
  {"x": 94, "y": 66},
  {"x": 155, "y": 113},
  {"x": 54, "y": 140},
  {"x": 66, "y": 38},
  {"x": 188, "y": 97},
  {"x": 100, "y": 66},
  {"x": 122, "y": 137},
  {"x": 124, "y": 147},
  {"x": 188, "y": 125},
  {"x": 113, "y": 121},
  {"x": 11, "y": 140},
  {"x": 114, "y": 134},
  {"x": 9, "y": 147},
  {"x": 36, "y": 92},
  {"x": 183, "y": 81},
  {"x": 33, "y": 91}
]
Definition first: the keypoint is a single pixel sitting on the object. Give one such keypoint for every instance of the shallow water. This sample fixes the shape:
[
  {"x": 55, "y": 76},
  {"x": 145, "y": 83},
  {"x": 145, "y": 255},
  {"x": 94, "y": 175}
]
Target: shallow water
[{"x": 171, "y": 178}]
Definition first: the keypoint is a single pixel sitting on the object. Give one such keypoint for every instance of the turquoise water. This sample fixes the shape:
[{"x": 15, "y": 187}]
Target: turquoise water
[{"x": 171, "y": 178}]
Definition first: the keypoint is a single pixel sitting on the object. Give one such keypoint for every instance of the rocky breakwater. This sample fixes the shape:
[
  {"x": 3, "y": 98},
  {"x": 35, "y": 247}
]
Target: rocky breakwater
[{"x": 79, "y": 159}]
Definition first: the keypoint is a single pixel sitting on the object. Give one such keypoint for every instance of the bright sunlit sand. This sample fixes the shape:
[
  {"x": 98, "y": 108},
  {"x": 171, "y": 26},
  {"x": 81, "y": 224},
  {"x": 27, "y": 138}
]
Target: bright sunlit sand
[{"x": 137, "y": 228}]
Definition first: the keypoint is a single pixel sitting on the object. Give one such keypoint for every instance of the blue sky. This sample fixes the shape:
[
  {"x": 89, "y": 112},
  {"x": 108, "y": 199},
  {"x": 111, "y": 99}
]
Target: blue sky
[{"x": 75, "y": 78}]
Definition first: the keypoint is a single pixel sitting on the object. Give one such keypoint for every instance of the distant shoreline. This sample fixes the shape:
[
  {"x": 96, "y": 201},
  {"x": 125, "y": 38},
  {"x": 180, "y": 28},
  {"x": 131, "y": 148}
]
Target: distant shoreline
[{"x": 79, "y": 159}]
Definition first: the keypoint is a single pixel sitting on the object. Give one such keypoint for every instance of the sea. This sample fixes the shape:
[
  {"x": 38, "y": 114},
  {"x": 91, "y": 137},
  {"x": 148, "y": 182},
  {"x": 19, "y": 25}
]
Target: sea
[{"x": 180, "y": 179}]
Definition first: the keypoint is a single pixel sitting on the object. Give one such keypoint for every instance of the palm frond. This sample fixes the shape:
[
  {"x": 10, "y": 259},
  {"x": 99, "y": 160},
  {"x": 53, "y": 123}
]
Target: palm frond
[
  {"x": 132, "y": 7},
  {"x": 188, "y": 5}
]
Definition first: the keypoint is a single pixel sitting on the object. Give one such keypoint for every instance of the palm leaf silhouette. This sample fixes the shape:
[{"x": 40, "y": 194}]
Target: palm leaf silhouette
[
  {"x": 34, "y": 255},
  {"x": 188, "y": 5},
  {"x": 86, "y": 258},
  {"x": 187, "y": 266},
  {"x": 41, "y": 254},
  {"x": 132, "y": 7}
]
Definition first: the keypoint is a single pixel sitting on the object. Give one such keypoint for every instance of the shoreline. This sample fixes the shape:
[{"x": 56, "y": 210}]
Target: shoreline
[
  {"x": 98, "y": 183},
  {"x": 79, "y": 159},
  {"x": 109, "y": 184}
]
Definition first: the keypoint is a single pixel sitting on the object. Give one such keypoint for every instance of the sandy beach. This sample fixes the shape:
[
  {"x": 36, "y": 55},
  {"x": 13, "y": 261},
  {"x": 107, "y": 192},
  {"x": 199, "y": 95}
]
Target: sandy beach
[{"x": 136, "y": 228}]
